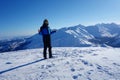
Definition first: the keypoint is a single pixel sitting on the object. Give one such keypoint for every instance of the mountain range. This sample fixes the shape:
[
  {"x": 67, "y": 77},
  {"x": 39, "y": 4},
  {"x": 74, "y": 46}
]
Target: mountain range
[{"x": 75, "y": 36}]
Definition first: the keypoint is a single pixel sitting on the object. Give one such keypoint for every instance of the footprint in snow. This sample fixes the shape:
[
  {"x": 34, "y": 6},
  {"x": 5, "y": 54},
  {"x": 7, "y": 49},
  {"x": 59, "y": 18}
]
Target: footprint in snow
[
  {"x": 89, "y": 72},
  {"x": 72, "y": 69},
  {"x": 86, "y": 63},
  {"x": 42, "y": 66},
  {"x": 67, "y": 62},
  {"x": 80, "y": 56},
  {"x": 81, "y": 68},
  {"x": 48, "y": 66},
  {"x": 89, "y": 78},
  {"x": 116, "y": 64},
  {"x": 8, "y": 63},
  {"x": 75, "y": 77},
  {"x": 103, "y": 69},
  {"x": 94, "y": 54},
  {"x": 104, "y": 57}
]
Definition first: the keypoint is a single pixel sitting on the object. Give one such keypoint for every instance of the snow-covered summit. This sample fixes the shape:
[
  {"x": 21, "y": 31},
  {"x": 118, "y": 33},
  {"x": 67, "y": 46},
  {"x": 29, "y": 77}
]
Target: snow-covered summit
[{"x": 75, "y": 63}]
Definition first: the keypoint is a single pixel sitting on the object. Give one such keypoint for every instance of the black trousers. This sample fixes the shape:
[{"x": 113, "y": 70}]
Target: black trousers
[{"x": 47, "y": 44}]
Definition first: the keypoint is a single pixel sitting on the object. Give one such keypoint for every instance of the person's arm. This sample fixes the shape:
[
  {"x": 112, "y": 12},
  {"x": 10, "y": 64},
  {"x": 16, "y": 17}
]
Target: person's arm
[
  {"x": 39, "y": 31},
  {"x": 53, "y": 31}
]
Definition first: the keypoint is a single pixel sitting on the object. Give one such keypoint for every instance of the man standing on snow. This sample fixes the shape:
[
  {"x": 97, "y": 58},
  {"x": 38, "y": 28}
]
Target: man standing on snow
[{"x": 46, "y": 34}]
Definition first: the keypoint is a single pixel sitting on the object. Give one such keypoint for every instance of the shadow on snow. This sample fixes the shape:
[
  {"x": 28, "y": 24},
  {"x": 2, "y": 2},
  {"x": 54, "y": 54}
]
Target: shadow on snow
[{"x": 23, "y": 65}]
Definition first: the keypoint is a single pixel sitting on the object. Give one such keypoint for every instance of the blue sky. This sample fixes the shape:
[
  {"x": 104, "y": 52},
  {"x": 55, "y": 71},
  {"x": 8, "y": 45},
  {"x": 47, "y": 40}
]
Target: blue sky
[{"x": 24, "y": 17}]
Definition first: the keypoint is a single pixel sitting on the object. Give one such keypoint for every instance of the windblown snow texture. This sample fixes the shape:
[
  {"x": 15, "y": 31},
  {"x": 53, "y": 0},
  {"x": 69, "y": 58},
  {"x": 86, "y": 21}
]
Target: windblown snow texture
[{"x": 88, "y": 63}]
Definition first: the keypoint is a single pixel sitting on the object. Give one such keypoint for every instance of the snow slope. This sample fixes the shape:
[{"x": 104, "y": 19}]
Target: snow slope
[
  {"x": 81, "y": 36},
  {"x": 104, "y": 30},
  {"x": 88, "y": 63}
]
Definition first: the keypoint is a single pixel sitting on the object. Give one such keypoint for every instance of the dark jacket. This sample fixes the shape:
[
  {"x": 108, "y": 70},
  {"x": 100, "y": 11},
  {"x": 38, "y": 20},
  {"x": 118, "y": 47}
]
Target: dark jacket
[{"x": 45, "y": 31}]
